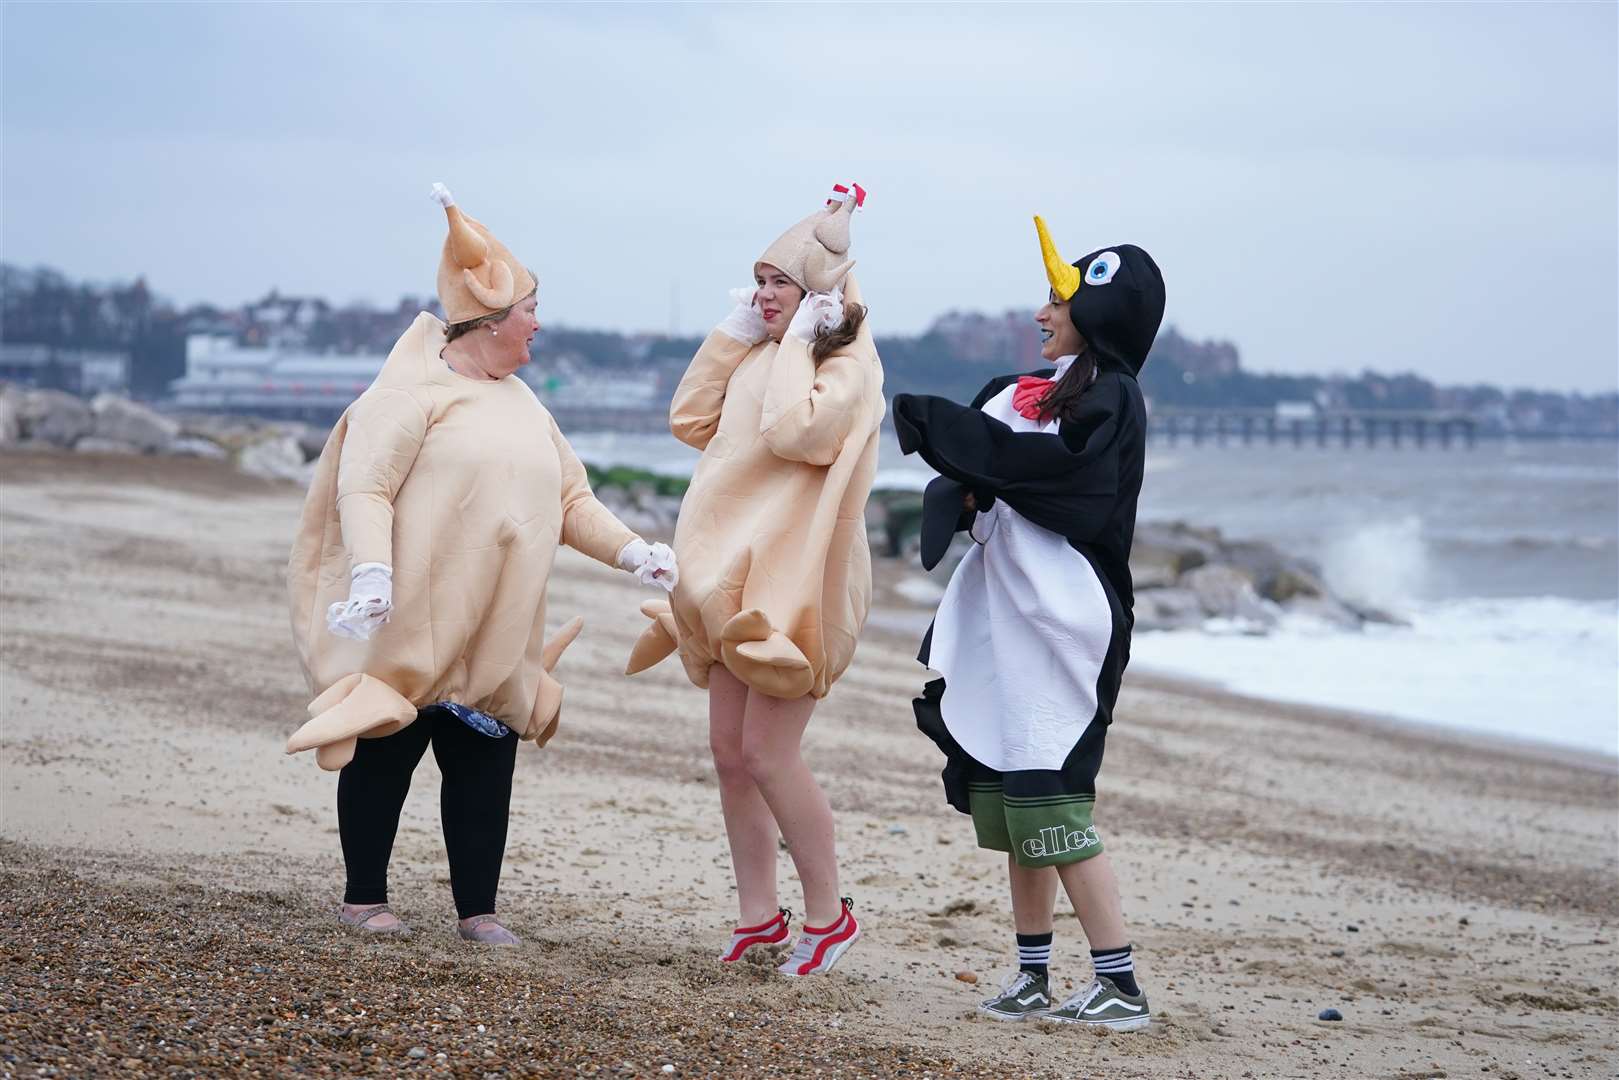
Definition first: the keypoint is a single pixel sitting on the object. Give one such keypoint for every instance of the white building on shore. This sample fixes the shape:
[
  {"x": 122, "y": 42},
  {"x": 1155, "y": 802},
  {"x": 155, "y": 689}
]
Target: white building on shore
[
  {"x": 86, "y": 372},
  {"x": 224, "y": 377}
]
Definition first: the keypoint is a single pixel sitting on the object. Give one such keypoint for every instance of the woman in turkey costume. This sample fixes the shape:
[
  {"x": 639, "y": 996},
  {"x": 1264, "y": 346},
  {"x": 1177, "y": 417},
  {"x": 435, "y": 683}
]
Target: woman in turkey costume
[
  {"x": 1033, "y": 634},
  {"x": 418, "y": 578},
  {"x": 785, "y": 401}
]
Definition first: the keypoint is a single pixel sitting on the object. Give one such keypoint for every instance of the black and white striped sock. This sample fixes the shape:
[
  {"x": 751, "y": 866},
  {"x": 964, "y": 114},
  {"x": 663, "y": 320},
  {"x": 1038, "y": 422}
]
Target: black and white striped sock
[
  {"x": 1034, "y": 953},
  {"x": 1117, "y": 965}
]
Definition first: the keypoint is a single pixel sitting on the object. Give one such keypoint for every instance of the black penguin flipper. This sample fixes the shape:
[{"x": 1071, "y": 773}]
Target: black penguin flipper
[
  {"x": 958, "y": 764},
  {"x": 1066, "y": 482}
]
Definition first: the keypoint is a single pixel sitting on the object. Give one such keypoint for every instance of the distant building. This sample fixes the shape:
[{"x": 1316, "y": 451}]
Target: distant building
[
  {"x": 77, "y": 371},
  {"x": 222, "y": 376},
  {"x": 295, "y": 384}
]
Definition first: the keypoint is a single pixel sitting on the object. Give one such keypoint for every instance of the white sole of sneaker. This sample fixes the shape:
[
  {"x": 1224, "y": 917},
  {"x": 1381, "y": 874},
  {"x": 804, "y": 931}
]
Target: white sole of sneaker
[
  {"x": 833, "y": 955},
  {"x": 1133, "y": 1023},
  {"x": 1011, "y": 1018}
]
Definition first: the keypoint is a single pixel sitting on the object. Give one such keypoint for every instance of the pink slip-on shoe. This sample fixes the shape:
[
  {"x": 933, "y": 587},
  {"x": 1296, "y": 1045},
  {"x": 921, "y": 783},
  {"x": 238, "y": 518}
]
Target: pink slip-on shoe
[
  {"x": 486, "y": 930},
  {"x": 744, "y": 938},
  {"x": 360, "y": 919}
]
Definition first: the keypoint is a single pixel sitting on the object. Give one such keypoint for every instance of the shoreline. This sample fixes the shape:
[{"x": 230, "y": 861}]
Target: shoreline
[
  {"x": 1430, "y": 734},
  {"x": 1421, "y": 733},
  {"x": 906, "y": 621}
]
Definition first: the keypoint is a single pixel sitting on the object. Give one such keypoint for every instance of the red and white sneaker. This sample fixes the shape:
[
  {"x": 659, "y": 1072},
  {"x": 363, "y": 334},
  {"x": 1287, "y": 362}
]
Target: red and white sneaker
[
  {"x": 744, "y": 938},
  {"x": 820, "y": 948}
]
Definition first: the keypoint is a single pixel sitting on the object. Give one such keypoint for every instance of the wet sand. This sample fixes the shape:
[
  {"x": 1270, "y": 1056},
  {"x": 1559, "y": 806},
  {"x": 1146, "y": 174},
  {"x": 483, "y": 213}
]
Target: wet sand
[{"x": 169, "y": 875}]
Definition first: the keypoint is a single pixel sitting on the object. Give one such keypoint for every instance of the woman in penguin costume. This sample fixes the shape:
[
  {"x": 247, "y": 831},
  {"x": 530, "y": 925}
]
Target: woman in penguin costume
[{"x": 1033, "y": 633}]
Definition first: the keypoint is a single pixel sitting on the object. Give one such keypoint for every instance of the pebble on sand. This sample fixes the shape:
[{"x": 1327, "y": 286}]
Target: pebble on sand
[
  {"x": 1329, "y": 1014},
  {"x": 966, "y": 977}
]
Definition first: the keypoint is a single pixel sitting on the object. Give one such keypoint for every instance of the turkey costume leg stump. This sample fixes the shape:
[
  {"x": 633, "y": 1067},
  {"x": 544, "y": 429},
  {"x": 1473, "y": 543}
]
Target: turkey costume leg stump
[{"x": 1033, "y": 633}]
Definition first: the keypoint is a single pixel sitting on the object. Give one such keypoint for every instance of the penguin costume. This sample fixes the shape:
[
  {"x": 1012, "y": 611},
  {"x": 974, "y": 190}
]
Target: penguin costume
[{"x": 1033, "y": 634}]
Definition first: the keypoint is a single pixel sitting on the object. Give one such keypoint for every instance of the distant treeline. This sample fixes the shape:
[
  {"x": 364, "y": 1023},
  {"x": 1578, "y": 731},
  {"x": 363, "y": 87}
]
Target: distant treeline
[{"x": 954, "y": 357}]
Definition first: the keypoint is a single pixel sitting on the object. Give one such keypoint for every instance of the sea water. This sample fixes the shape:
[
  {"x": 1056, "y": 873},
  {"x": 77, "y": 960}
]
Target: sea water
[{"x": 1502, "y": 560}]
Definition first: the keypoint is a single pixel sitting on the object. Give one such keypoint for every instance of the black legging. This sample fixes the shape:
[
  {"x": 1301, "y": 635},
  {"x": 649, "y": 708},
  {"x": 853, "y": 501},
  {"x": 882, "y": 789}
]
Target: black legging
[{"x": 474, "y": 802}]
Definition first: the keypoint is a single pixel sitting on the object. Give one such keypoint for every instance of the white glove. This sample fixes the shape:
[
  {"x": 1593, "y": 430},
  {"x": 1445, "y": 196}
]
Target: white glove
[
  {"x": 744, "y": 323},
  {"x": 818, "y": 310},
  {"x": 652, "y": 564},
  {"x": 371, "y": 600}
]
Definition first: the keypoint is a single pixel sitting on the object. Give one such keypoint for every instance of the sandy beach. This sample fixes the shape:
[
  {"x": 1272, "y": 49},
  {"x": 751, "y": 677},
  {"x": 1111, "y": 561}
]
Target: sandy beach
[{"x": 169, "y": 876}]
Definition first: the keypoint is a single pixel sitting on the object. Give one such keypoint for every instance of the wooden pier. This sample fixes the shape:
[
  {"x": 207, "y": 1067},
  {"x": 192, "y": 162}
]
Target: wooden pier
[{"x": 1346, "y": 427}]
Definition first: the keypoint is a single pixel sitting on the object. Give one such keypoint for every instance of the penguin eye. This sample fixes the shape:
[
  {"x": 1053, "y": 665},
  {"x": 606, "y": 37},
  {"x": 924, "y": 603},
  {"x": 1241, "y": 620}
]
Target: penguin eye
[{"x": 1102, "y": 268}]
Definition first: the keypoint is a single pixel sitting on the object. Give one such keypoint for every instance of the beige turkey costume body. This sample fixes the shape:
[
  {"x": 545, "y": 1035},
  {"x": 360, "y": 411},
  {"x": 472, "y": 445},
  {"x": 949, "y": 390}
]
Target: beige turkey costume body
[
  {"x": 464, "y": 487},
  {"x": 775, "y": 568}
]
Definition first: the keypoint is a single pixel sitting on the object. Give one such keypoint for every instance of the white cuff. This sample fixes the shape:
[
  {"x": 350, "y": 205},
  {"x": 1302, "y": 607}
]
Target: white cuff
[
  {"x": 744, "y": 323},
  {"x": 631, "y": 554}
]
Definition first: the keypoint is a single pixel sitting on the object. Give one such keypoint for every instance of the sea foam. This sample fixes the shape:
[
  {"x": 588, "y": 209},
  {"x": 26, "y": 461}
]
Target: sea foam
[{"x": 1538, "y": 668}]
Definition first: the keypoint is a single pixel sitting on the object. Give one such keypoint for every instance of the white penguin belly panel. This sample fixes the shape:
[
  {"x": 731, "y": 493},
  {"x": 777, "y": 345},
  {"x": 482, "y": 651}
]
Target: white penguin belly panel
[{"x": 1020, "y": 637}]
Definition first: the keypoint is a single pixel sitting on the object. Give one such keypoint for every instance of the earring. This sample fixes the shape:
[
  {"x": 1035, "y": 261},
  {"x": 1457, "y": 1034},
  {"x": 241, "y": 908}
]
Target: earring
[{"x": 493, "y": 332}]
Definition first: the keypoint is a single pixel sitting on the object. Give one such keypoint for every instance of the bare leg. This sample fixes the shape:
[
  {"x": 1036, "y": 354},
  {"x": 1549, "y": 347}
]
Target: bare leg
[
  {"x": 1094, "y": 892},
  {"x": 770, "y": 749},
  {"x": 1034, "y": 896},
  {"x": 748, "y": 823}
]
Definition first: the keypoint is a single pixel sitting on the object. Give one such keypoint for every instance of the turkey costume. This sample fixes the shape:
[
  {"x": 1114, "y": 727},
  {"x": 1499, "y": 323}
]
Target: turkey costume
[
  {"x": 464, "y": 487},
  {"x": 775, "y": 568},
  {"x": 1033, "y": 633}
]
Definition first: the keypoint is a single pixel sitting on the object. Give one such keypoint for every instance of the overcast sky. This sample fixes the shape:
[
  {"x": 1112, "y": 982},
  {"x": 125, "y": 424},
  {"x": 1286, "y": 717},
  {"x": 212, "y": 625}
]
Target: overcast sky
[{"x": 1403, "y": 187}]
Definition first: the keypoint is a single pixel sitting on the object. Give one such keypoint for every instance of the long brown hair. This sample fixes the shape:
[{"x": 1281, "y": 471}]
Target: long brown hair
[
  {"x": 1062, "y": 399},
  {"x": 828, "y": 342}
]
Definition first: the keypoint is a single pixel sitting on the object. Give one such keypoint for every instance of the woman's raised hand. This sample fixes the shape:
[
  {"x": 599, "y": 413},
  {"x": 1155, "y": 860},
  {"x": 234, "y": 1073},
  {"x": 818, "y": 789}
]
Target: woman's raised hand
[
  {"x": 818, "y": 310},
  {"x": 744, "y": 323},
  {"x": 652, "y": 564}
]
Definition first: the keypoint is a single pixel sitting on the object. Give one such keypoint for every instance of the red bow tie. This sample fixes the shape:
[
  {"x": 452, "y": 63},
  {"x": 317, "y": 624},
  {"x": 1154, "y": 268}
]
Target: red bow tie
[{"x": 1026, "y": 398}]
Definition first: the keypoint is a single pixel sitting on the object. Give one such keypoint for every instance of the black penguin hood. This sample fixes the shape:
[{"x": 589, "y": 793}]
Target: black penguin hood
[
  {"x": 1118, "y": 306},
  {"x": 1115, "y": 299}
]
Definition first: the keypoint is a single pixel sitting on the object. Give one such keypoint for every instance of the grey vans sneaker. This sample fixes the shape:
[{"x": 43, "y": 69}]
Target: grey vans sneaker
[
  {"x": 1103, "y": 1005},
  {"x": 1022, "y": 995}
]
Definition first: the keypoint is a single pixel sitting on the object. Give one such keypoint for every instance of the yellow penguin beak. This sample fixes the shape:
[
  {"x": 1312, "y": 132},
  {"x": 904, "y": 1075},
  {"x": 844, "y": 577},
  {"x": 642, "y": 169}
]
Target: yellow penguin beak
[{"x": 1064, "y": 278}]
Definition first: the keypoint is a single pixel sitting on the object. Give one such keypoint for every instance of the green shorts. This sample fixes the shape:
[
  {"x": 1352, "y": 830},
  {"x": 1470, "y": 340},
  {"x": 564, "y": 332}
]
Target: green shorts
[{"x": 1039, "y": 830}]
